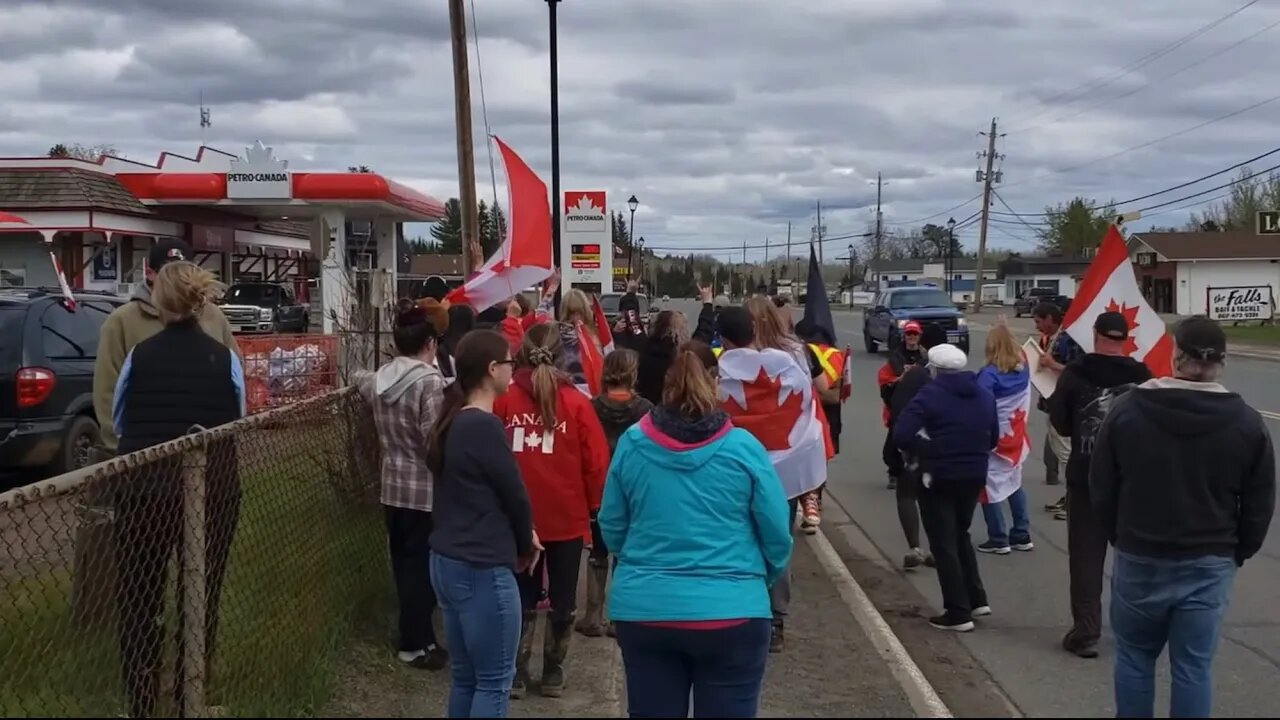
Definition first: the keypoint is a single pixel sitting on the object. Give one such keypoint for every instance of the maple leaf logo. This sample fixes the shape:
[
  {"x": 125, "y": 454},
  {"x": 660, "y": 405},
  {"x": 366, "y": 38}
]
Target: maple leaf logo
[
  {"x": 1011, "y": 445},
  {"x": 764, "y": 416},
  {"x": 585, "y": 206},
  {"x": 1131, "y": 319}
]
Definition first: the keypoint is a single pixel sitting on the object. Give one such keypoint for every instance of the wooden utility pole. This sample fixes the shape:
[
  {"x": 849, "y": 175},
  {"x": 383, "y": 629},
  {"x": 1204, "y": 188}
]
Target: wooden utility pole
[
  {"x": 879, "y": 217},
  {"x": 987, "y": 178},
  {"x": 787, "y": 261},
  {"x": 472, "y": 255},
  {"x": 821, "y": 259}
]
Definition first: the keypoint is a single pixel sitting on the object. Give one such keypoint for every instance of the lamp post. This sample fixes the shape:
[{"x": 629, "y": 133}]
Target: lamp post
[
  {"x": 632, "y": 203},
  {"x": 850, "y": 275},
  {"x": 556, "y": 199},
  {"x": 951, "y": 254},
  {"x": 640, "y": 262}
]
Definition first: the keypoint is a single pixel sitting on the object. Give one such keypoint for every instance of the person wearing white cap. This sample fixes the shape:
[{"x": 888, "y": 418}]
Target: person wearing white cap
[{"x": 951, "y": 426}]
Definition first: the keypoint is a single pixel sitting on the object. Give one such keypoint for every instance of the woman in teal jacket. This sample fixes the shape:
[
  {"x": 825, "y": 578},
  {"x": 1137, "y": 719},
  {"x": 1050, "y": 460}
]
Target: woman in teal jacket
[{"x": 701, "y": 530}]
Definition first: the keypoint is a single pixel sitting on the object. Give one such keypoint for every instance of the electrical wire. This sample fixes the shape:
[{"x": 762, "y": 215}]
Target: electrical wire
[
  {"x": 1103, "y": 81},
  {"x": 937, "y": 214},
  {"x": 1020, "y": 218},
  {"x": 1148, "y": 196},
  {"x": 1251, "y": 178},
  {"x": 1150, "y": 83}
]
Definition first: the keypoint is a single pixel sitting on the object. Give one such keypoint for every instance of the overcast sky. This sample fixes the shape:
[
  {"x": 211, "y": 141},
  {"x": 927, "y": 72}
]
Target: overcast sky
[{"x": 726, "y": 118}]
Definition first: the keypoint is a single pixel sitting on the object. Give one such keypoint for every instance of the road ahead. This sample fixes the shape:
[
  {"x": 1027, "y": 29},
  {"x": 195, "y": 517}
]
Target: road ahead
[{"x": 1019, "y": 645}]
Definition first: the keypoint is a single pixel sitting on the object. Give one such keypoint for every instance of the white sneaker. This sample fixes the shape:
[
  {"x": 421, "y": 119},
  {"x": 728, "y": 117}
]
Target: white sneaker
[{"x": 981, "y": 611}]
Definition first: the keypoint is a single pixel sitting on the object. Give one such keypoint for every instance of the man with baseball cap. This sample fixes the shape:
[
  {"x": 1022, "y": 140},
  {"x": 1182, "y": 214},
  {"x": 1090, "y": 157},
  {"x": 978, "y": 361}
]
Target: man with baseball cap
[
  {"x": 1183, "y": 483},
  {"x": 136, "y": 321},
  {"x": 1079, "y": 404},
  {"x": 902, "y": 357}
]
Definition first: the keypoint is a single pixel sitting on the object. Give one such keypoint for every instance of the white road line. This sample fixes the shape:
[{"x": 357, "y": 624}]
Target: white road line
[
  {"x": 1270, "y": 415},
  {"x": 924, "y": 699}
]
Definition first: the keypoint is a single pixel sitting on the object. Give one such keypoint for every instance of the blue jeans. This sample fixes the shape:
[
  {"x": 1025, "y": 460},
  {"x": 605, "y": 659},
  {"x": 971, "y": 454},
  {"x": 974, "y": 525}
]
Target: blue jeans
[
  {"x": 1155, "y": 601},
  {"x": 723, "y": 668},
  {"x": 997, "y": 532},
  {"x": 481, "y": 611}
]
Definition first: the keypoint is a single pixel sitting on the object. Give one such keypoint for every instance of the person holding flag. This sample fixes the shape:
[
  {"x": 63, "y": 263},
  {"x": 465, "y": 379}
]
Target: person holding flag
[
  {"x": 1008, "y": 378},
  {"x": 818, "y": 330}
]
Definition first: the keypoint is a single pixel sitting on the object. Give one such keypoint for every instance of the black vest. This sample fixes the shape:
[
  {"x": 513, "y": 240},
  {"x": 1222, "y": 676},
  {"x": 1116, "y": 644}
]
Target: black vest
[{"x": 178, "y": 378}]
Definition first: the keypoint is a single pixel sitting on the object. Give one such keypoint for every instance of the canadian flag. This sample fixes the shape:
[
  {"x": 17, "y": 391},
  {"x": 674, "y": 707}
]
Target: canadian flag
[
  {"x": 525, "y": 256},
  {"x": 1109, "y": 285},
  {"x": 1004, "y": 467},
  {"x": 591, "y": 357}
]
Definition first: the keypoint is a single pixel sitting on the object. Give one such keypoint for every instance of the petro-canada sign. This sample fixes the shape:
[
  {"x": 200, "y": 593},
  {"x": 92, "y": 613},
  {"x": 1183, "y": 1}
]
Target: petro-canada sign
[{"x": 259, "y": 176}]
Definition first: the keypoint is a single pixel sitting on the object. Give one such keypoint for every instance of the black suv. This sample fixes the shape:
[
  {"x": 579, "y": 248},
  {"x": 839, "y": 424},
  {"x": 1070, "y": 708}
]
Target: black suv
[{"x": 47, "y": 353}]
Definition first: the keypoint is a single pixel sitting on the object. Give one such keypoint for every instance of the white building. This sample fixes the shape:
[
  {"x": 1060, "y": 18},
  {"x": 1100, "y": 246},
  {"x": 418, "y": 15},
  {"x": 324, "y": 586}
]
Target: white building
[
  {"x": 929, "y": 271},
  {"x": 1195, "y": 273},
  {"x": 1060, "y": 274}
]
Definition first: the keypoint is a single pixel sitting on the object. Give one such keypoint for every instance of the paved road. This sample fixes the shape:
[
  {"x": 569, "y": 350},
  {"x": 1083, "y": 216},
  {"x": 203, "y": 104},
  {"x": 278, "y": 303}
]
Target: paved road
[{"x": 1018, "y": 648}]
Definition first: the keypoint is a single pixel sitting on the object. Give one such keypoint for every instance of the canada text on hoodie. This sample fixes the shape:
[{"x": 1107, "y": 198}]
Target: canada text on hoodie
[
  {"x": 1184, "y": 469},
  {"x": 1083, "y": 397},
  {"x": 563, "y": 468},
  {"x": 406, "y": 395}
]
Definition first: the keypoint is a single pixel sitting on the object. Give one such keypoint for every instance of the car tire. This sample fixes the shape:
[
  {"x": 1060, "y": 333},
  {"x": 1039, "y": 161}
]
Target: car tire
[
  {"x": 76, "y": 452},
  {"x": 870, "y": 344}
]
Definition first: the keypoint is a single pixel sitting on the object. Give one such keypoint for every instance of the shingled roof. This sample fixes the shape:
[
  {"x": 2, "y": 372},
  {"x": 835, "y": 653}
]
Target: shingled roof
[
  {"x": 66, "y": 188},
  {"x": 1230, "y": 245}
]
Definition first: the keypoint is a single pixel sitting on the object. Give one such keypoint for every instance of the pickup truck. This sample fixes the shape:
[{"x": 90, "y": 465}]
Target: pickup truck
[
  {"x": 895, "y": 307},
  {"x": 1032, "y": 297},
  {"x": 262, "y": 307}
]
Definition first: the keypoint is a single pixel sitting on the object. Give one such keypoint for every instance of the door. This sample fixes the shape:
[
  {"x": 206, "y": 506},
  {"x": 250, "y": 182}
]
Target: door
[
  {"x": 1162, "y": 295},
  {"x": 878, "y": 321}
]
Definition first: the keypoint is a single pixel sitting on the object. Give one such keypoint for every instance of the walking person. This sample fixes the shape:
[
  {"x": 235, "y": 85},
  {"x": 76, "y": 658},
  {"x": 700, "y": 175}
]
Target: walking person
[
  {"x": 907, "y": 354},
  {"x": 178, "y": 379},
  {"x": 1057, "y": 349},
  {"x": 951, "y": 426},
  {"x": 1008, "y": 378},
  {"x": 697, "y": 518},
  {"x": 1079, "y": 405},
  {"x": 618, "y": 408},
  {"x": 563, "y": 455},
  {"x": 483, "y": 532},
  {"x": 897, "y": 395},
  {"x": 1199, "y": 453},
  {"x": 406, "y": 394}
]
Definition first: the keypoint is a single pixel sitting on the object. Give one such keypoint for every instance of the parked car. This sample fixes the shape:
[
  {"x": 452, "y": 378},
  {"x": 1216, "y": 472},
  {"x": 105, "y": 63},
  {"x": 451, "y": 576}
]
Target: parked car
[
  {"x": 1032, "y": 297},
  {"x": 895, "y": 307},
  {"x": 262, "y": 307},
  {"x": 47, "y": 352}
]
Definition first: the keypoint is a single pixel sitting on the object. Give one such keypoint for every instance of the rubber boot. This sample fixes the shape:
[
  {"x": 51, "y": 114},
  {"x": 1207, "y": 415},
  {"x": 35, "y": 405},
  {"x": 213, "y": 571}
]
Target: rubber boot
[
  {"x": 555, "y": 648},
  {"x": 593, "y": 623},
  {"x": 520, "y": 686}
]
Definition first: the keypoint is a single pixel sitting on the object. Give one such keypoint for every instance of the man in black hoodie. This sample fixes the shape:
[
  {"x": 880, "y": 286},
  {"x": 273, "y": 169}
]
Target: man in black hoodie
[
  {"x": 1080, "y": 402},
  {"x": 1183, "y": 483}
]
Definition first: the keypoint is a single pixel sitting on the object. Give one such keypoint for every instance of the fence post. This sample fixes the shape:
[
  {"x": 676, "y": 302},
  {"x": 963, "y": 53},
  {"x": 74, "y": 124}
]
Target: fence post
[{"x": 194, "y": 595}]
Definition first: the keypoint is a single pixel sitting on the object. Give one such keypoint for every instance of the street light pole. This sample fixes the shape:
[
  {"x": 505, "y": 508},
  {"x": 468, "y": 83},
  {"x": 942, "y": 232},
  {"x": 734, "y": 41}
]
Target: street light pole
[
  {"x": 632, "y": 203},
  {"x": 951, "y": 254},
  {"x": 850, "y": 274},
  {"x": 556, "y": 199}
]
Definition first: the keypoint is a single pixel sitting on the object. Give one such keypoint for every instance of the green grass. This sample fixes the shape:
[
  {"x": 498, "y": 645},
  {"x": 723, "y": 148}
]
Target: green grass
[
  {"x": 307, "y": 565},
  {"x": 1253, "y": 334}
]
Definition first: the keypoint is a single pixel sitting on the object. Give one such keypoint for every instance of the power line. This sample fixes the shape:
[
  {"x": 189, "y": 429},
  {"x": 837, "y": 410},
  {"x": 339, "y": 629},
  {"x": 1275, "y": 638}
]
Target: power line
[
  {"x": 937, "y": 214},
  {"x": 1103, "y": 81},
  {"x": 1251, "y": 178},
  {"x": 1150, "y": 83},
  {"x": 740, "y": 248},
  {"x": 1148, "y": 196},
  {"x": 1002, "y": 202}
]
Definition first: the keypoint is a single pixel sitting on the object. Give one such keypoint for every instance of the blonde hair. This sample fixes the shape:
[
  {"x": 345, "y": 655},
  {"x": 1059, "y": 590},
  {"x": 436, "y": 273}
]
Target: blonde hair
[
  {"x": 1002, "y": 350},
  {"x": 620, "y": 369},
  {"x": 539, "y": 350},
  {"x": 576, "y": 306},
  {"x": 689, "y": 388},
  {"x": 772, "y": 330},
  {"x": 181, "y": 289}
]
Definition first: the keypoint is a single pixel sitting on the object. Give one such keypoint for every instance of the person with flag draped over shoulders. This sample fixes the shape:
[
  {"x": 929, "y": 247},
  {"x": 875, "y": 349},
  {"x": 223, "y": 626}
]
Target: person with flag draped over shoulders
[
  {"x": 768, "y": 391},
  {"x": 818, "y": 331},
  {"x": 1008, "y": 378}
]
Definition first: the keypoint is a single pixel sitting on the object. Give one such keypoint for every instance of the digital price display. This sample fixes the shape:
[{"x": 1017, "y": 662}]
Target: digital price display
[{"x": 586, "y": 249}]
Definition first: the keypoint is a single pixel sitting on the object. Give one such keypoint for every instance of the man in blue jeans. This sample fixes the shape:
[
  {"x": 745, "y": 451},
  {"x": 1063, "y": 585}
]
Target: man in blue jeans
[{"x": 1183, "y": 482}]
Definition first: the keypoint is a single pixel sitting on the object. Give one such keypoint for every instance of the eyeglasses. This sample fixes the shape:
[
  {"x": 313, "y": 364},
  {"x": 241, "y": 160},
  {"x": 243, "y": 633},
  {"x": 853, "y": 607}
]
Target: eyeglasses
[{"x": 504, "y": 362}]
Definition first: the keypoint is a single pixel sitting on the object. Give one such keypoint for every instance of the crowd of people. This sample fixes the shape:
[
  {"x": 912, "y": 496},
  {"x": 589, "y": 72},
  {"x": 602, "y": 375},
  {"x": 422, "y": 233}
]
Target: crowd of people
[{"x": 518, "y": 440}]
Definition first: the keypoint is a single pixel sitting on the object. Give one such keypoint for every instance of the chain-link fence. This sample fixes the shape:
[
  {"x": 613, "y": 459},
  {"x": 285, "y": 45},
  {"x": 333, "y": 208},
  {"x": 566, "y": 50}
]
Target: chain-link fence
[{"x": 218, "y": 574}]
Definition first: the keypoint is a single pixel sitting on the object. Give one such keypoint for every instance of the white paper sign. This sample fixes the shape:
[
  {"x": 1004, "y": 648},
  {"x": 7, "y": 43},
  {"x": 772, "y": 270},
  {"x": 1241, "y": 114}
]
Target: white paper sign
[{"x": 1044, "y": 379}]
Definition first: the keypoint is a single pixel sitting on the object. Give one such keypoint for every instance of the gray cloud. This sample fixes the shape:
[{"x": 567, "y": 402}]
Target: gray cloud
[{"x": 728, "y": 119}]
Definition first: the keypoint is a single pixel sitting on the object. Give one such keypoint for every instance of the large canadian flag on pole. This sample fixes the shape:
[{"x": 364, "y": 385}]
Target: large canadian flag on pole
[
  {"x": 525, "y": 256},
  {"x": 1109, "y": 285}
]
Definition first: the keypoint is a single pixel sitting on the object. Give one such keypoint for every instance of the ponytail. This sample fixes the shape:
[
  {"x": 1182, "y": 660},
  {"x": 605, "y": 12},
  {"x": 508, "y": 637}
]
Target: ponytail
[
  {"x": 454, "y": 399},
  {"x": 689, "y": 388},
  {"x": 539, "y": 350}
]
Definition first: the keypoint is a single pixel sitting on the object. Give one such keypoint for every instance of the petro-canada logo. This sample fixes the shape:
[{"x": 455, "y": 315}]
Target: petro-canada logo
[
  {"x": 259, "y": 175},
  {"x": 584, "y": 211}
]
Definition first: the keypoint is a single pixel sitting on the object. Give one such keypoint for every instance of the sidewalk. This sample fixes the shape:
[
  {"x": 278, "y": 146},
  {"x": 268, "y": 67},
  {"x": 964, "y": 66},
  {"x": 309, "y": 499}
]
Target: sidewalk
[{"x": 828, "y": 669}]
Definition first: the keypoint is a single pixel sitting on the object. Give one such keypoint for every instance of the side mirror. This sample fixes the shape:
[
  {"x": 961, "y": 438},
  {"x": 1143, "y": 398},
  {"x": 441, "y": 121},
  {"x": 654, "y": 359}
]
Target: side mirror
[{"x": 879, "y": 309}]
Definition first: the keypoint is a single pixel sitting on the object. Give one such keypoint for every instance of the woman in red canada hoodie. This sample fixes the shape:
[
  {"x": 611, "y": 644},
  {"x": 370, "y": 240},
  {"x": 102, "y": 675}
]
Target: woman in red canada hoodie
[{"x": 563, "y": 456}]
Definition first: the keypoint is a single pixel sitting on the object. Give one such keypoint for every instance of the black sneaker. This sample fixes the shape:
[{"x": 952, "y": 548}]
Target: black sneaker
[
  {"x": 946, "y": 622},
  {"x": 893, "y": 483},
  {"x": 1023, "y": 544},
  {"x": 993, "y": 548},
  {"x": 776, "y": 640},
  {"x": 1056, "y": 506}
]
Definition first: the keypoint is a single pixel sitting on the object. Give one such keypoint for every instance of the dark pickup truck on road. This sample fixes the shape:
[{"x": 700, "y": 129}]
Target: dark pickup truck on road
[
  {"x": 1028, "y": 300},
  {"x": 893, "y": 308}
]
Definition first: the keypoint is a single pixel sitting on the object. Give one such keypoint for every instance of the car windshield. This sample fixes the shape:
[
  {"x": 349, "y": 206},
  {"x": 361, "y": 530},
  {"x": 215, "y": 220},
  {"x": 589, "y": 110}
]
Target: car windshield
[
  {"x": 918, "y": 299},
  {"x": 251, "y": 294},
  {"x": 609, "y": 303}
]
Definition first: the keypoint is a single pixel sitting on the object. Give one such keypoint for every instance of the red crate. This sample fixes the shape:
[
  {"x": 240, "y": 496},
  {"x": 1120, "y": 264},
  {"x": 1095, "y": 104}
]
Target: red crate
[{"x": 280, "y": 369}]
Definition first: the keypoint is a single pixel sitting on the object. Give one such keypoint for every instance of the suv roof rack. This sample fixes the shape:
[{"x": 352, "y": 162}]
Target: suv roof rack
[{"x": 35, "y": 291}]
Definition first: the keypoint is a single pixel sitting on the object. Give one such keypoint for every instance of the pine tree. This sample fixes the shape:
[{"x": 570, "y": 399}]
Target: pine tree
[{"x": 448, "y": 230}]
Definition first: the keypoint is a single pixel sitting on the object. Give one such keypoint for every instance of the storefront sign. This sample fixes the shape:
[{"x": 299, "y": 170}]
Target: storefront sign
[
  {"x": 259, "y": 176},
  {"x": 104, "y": 264},
  {"x": 585, "y": 234},
  {"x": 1269, "y": 222},
  {"x": 1252, "y": 302}
]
